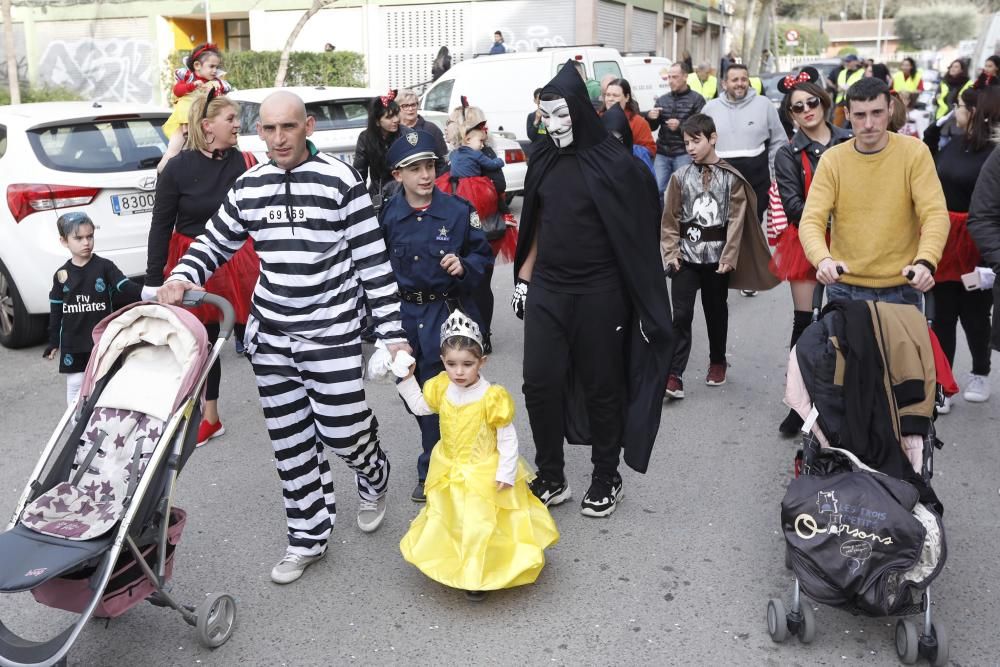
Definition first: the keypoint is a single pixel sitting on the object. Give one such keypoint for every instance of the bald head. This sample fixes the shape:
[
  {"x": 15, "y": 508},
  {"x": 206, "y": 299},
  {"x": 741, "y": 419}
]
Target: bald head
[
  {"x": 284, "y": 103},
  {"x": 606, "y": 81},
  {"x": 284, "y": 127}
]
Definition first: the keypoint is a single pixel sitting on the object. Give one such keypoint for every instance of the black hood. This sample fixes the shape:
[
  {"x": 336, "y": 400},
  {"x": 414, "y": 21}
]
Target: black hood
[
  {"x": 567, "y": 84},
  {"x": 616, "y": 122}
]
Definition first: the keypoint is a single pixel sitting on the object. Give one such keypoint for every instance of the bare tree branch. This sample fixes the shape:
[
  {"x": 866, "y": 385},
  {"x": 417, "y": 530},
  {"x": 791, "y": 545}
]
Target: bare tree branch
[
  {"x": 11, "y": 49},
  {"x": 279, "y": 78}
]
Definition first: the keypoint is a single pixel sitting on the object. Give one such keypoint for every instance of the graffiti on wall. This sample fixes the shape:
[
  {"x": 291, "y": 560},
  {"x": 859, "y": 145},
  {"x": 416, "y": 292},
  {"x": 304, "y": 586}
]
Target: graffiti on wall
[
  {"x": 531, "y": 38},
  {"x": 110, "y": 70}
]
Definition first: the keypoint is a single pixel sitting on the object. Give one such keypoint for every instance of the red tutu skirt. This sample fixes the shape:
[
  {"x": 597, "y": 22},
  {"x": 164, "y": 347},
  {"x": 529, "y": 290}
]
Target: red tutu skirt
[
  {"x": 789, "y": 261},
  {"x": 234, "y": 281},
  {"x": 960, "y": 252}
]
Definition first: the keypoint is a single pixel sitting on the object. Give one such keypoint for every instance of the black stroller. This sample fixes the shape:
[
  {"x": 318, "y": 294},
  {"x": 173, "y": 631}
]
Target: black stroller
[
  {"x": 105, "y": 482},
  {"x": 862, "y": 525}
]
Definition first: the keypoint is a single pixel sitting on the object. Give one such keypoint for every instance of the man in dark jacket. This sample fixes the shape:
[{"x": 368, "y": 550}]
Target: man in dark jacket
[
  {"x": 984, "y": 225},
  {"x": 669, "y": 112},
  {"x": 598, "y": 308}
]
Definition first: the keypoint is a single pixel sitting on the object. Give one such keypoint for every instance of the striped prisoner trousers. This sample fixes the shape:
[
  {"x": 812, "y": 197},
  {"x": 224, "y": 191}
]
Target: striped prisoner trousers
[{"x": 313, "y": 398}]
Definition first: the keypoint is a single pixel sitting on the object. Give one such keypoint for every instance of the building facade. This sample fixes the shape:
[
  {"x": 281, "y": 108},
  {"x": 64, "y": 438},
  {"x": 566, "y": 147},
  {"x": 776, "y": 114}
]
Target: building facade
[{"x": 118, "y": 51}]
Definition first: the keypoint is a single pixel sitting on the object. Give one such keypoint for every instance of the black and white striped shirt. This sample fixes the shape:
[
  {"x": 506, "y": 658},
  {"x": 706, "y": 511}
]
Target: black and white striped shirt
[{"x": 320, "y": 249}]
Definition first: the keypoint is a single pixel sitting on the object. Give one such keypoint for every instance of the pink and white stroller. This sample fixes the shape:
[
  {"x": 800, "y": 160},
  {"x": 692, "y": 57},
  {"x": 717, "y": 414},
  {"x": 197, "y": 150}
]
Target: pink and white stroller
[{"x": 95, "y": 529}]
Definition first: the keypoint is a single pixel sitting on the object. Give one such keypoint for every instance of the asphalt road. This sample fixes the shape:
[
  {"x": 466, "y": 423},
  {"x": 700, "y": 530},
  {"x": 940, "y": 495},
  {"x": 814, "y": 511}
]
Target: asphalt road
[{"x": 679, "y": 575}]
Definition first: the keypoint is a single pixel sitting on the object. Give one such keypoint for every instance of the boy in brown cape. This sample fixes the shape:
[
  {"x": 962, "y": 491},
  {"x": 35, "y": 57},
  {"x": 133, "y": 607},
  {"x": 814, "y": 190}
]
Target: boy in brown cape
[{"x": 710, "y": 241}]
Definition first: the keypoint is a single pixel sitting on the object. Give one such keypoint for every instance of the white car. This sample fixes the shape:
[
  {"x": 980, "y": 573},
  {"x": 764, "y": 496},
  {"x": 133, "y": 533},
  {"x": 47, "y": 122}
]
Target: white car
[
  {"x": 341, "y": 114},
  {"x": 57, "y": 157}
]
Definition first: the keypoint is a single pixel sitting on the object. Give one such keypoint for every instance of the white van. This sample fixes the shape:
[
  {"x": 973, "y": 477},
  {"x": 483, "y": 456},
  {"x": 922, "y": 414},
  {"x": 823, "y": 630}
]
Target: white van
[
  {"x": 503, "y": 85},
  {"x": 648, "y": 77}
]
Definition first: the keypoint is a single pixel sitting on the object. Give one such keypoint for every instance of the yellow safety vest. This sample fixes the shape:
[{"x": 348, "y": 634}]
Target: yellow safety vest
[
  {"x": 844, "y": 81},
  {"x": 757, "y": 85},
  {"x": 708, "y": 89},
  {"x": 903, "y": 85},
  {"x": 942, "y": 101}
]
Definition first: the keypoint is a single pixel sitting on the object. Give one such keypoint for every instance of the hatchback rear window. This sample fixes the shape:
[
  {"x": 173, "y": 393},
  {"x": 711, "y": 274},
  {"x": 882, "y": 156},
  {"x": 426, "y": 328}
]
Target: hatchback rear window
[
  {"x": 329, "y": 115},
  {"x": 101, "y": 146}
]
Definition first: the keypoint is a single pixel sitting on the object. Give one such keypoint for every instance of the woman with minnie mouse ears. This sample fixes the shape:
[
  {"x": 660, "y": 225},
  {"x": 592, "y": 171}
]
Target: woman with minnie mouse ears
[{"x": 806, "y": 103}]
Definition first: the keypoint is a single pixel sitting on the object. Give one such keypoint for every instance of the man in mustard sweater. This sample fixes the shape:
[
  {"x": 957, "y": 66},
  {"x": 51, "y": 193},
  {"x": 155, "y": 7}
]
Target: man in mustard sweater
[{"x": 889, "y": 219}]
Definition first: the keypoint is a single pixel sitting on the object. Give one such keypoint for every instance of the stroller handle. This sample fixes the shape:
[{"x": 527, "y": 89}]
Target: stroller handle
[
  {"x": 195, "y": 298},
  {"x": 817, "y": 303}
]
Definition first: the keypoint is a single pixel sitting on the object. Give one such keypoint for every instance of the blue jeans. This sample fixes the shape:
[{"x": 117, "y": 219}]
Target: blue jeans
[
  {"x": 665, "y": 166},
  {"x": 904, "y": 294}
]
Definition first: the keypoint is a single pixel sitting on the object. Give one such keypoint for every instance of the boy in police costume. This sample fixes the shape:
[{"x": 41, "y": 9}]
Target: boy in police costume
[{"x": 439, "y": 254}]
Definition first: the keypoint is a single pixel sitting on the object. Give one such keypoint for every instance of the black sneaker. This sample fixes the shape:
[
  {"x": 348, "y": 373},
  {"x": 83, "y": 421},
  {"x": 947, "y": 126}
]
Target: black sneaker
[
  {"x": 550, "y": 493},
  {"x": 791, "y": 425},
  {"x": 418, "y": 495},
  {"x": 602, "y": 496}
]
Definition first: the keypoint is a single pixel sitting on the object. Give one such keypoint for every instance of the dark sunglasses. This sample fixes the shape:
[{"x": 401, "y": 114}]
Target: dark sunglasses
[{"x": 800, "y": 107}]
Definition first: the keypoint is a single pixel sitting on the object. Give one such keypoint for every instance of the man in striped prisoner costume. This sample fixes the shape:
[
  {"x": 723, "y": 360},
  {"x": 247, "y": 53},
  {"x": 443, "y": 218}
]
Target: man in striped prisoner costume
[{"x": 313, "y": 226}]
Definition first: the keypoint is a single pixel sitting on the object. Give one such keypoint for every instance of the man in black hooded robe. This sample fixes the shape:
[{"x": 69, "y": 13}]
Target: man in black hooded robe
[{"x": 598, "y": 306}]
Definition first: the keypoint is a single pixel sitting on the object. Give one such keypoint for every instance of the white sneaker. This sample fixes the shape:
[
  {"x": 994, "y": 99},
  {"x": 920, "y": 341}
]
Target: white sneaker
[
  {"x": 977, "y": 389},
  {"x": 292, "y": 566},
  {"x": 944, "y": 407},
  {"x": 371, "y": 513}
]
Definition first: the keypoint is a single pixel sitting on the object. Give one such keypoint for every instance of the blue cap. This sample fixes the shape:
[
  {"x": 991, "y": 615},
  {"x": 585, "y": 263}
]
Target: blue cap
[
  {"x": 851, "y": 58},
  {"x": 412, "y": 146}
]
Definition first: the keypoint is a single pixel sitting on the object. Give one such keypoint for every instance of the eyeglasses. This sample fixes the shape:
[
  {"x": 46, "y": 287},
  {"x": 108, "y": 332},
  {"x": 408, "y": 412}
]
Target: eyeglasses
[
  {"x": 800, "y": 107},
  {"x": 408, "y": 105}
]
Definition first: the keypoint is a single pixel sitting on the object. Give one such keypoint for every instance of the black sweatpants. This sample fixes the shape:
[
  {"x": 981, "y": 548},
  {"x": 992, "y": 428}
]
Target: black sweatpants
[
  {"x": 714, "y": 288},
  {"x": 483, "y": 296},
  {"x": 952, "y": 303},
  {"x": 589, "y": 332}
]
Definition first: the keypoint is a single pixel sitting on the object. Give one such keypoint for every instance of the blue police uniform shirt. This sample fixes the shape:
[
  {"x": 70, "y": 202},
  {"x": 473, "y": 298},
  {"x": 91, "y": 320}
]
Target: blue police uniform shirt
[{"x": 418, "y": 240}]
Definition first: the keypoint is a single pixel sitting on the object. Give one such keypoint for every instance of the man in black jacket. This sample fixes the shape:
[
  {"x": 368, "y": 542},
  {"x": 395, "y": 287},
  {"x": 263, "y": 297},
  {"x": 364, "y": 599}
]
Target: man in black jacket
[{"x": 669, "y": 112}]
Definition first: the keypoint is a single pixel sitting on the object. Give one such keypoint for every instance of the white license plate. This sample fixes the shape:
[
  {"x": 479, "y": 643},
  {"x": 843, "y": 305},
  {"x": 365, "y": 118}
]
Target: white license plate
[{"x": 131, "y": 203}]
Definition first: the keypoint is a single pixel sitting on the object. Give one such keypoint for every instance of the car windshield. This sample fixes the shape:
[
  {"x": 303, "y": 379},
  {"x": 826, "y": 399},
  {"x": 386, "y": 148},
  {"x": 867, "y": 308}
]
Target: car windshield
[
  {"x": 120, "y": 144},
  {"x": 329, "y": 114}
]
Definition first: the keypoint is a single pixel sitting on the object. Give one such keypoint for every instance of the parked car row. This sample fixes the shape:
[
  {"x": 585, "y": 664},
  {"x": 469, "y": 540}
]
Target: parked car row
[{"x": 101, "y": 159}]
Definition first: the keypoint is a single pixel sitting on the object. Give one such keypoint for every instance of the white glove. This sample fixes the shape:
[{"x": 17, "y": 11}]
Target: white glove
[
  {"x": 379, "y": 362},
  {"x": 401, "y": 364},
  {"x": 149, "y": 293}
]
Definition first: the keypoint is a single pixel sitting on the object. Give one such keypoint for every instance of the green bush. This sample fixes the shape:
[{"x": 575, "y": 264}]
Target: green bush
[
  {"x": 39, "y": 95},
  {"x": 935, "y": 26},
  {"x": 256, "y": 69}
]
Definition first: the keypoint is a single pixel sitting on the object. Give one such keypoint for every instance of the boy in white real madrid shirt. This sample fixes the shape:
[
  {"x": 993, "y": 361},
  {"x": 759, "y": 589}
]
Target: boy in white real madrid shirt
[{"x": 85, "y": 290}]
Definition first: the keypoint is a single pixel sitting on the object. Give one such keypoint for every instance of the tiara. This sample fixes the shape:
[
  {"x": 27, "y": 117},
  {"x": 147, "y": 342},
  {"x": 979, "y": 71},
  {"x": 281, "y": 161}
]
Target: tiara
[{"x": 460, "y": 324}]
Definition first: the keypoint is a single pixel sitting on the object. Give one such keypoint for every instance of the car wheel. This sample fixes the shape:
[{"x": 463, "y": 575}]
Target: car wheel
[{"x": 18, "y": 328}]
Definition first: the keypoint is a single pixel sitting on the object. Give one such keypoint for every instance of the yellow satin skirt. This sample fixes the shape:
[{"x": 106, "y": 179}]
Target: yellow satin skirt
[{"x": 472, "y": 537}]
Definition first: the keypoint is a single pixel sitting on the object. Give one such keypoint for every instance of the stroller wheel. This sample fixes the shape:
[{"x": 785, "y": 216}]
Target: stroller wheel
[
  {"x": 216, "y": 620},
  {"x": 907, "y": 643},
  {"x": 939, "y": 657},
  {"x": 807, "y": 628},
  {"x": 777, "y": 621}
]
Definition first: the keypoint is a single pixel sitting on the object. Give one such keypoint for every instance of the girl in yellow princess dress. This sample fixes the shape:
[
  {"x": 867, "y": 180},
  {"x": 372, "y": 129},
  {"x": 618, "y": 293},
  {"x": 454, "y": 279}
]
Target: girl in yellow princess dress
[{"x": 482, "y": 529}]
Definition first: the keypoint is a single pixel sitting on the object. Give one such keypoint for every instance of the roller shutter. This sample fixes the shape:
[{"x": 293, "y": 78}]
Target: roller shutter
[
  {"x": 611, "y": 24},
  {"x": 643, "y": 37}
]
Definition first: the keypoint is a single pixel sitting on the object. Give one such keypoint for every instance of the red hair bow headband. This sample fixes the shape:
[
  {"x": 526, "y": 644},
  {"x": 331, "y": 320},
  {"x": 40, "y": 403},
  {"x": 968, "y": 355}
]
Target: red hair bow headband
[
  {"x": 791, "y": 81},
  {"x": 203, "y": 49},
  {"x": 386, "y": 99}
]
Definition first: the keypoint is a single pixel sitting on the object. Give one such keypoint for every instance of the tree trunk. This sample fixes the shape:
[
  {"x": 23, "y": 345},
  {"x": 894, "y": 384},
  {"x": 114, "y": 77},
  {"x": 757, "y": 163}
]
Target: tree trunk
[
  {"x": 10, "y": 48},
  {"x": 279, "y": 78},
  {"x": 760, "y": 35},
  {"x": 748, "y": 28}
]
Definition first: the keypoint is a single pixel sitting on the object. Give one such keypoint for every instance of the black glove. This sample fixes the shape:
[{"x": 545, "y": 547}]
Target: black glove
[
  {"x": 48, "y": 350},
  {"x": 519, "y": 297}
]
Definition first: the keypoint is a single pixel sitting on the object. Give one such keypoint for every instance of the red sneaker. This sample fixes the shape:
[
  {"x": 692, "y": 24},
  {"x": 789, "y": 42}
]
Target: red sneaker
[
  {"x": 675, "y": 387},
  {"x": 208, "y": 431},
  {"x": 716, "y": 374}
]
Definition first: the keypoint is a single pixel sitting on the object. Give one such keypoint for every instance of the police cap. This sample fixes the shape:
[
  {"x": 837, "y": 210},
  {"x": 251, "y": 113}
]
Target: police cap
[{"x": 412, "y": 146}]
